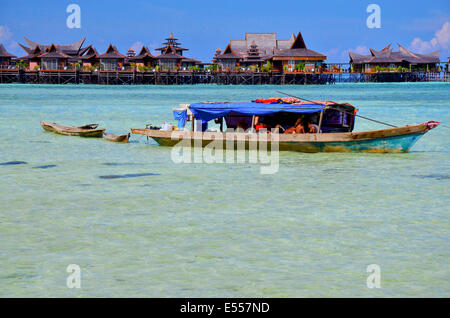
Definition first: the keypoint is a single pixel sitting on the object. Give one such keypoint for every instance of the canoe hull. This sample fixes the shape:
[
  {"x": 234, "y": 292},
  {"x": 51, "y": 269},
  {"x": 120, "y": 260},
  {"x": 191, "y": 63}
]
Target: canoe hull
[
  {"x": 115, "y": 138},
  {"x": 380, "y": 145},
  {"x": 73, "y": 131},
  {"x": 392, "y": 140}
]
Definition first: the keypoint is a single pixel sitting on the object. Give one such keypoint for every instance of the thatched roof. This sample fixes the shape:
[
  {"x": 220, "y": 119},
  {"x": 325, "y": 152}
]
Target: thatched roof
[
  {"x": 298, "y": 49},
  {"x": 53, "y": 52},
  {"x": 111, "y": 53},
  {"x": 32, "y": 54},
  {"x": 189, "y": 60},
  {"x": 267, "y": 43},
  {"x": 4, "y": 53},
  {"x": 229, "y": 54},
  {"x": 90, "y": 53},
  {"x": 169, "y": 53},
  {"x": 388, "y": 56},
  {"x": 69, "y": 49},
  {"x": 143, "y": 53},
  {"x": 171, "y": 41},
  {"x": 259, "y": 47}
]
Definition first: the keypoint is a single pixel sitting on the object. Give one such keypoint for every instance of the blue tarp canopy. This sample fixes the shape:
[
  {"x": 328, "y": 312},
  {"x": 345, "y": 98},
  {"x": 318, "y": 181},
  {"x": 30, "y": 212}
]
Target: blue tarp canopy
[{"x": 210, "y": 111}]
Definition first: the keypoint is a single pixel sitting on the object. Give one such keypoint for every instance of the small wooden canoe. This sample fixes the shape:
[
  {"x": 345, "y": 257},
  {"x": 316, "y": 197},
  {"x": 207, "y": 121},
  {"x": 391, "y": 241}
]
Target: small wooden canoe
[
  {"x": 82, "y": 131},
  {"x": 89, "y": 126},
  {"x": 115, "y": 138}
]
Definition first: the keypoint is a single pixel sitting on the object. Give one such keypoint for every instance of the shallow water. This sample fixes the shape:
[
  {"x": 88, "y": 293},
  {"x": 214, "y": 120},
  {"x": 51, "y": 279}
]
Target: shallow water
[{"x": 157, "y": 229}]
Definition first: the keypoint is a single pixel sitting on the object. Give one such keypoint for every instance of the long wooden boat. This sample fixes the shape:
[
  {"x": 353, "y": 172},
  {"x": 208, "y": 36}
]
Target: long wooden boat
[
  {"x": 82, "y": 131},
  {"x": 338, "y": 135},
  {"x": 115, "y": 138},
  {"x": 399, "y": 139}
]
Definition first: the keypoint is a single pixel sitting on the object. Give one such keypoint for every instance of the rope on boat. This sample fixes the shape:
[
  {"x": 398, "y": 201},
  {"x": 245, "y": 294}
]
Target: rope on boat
[{"x": 366, "y": 118}]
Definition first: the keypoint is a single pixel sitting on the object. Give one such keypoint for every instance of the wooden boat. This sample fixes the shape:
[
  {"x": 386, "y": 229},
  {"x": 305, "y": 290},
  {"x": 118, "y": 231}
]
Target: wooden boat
[
  {"x": 336, "y": 136},
  {"x": 115, "y": 138},
  {"x": 399, "y": 139},
  {"x": 82, "y": 131},
  {"x": 89, "y": 126}
]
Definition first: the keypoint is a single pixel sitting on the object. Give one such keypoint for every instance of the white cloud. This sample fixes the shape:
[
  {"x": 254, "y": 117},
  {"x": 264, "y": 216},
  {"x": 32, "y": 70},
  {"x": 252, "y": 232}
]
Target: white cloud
[
  {"x": 5, "y": 33},
  {"x": 6, "y": 39},
  {"x": 441, "y": 40},
  {"x": 421, "y": 46},
  {"x": 360, "y": 49},
  {"x": 13, "y": 46},
  {"x": 443, "y": 35}
]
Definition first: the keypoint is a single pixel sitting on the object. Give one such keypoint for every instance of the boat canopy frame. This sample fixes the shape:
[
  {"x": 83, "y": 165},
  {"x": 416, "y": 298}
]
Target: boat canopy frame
[{"x": 207, "y": 111}]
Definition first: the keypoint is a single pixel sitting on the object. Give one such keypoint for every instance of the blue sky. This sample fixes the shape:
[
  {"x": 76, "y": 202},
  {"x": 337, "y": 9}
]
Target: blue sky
[{"x": 330, "y": 27}]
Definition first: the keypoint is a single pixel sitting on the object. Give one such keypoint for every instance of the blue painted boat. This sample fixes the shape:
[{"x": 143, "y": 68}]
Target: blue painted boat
[{"x": 333, "y": 123}]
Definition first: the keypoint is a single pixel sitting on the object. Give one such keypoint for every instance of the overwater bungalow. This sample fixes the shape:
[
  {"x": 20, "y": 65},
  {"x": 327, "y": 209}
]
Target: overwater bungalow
[
  {"x": 56, "y": 55},
  {"x": 171, "y": 56},
  {"x": 5, "y": 57},
  {"x": 258, "y": 48},
  {"x": 297, "y": 57},
  {"x": 169, "y": 59},
  {"x": 389, "y": 59},
  {"x": 73, "y": 50},
  {"x": 143, "y": 60},
  {"x": 53, "y": 59},
  {"x": 89, "y": 58},
  {"x": 32, "y": 58},
  {"x": 111, "y": 60},
  {"x": 229, "y": 60}
]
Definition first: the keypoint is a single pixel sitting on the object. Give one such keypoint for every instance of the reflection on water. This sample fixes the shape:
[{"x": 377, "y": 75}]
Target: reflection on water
[
  {"x": 435, "y": 176},
  {"x": 128, "y": 175},
  {"x": 12, "y": 163},
  {"x": 150, "y": 227},
  {"x": 45, "y": 166},
  {"x": 120, "y": 164}
]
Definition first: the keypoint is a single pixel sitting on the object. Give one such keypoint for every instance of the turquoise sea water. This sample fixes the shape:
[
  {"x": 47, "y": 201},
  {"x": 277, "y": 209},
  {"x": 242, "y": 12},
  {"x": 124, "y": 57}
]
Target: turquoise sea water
[{"x": 210, "y": 230}]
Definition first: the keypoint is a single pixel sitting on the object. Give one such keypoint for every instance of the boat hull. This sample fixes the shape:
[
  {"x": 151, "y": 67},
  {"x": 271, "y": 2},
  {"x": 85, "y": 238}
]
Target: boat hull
[
  {"x": 379, "y": 145},
  {"x": 115, "y": 138},
  {"x": 392, "y": 140},
  {"x": 72, "y": 131}
]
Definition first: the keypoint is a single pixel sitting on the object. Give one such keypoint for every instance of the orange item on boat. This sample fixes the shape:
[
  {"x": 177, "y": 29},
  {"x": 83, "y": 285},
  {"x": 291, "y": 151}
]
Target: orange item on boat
[
  {"x": 272, "y": 100},
  {"x": 260, "y": 126},
  {"x": 277, "y": 100}
]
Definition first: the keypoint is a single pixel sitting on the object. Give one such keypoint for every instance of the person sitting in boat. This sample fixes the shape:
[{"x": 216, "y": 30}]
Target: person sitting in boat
[
  {"x": 298, "y": 128},
  {"x": 259, "y": 124},
  {"x": 313, "y": 128}
]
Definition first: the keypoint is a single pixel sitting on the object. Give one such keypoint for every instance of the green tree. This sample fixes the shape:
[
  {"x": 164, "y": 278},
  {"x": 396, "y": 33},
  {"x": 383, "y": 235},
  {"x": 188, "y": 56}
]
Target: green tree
[{"x": 268, "y": 67}]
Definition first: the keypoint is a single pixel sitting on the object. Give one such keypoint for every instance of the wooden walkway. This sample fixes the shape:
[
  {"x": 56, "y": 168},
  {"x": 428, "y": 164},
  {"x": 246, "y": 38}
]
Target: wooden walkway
[{"x": 222, "y": 78}]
